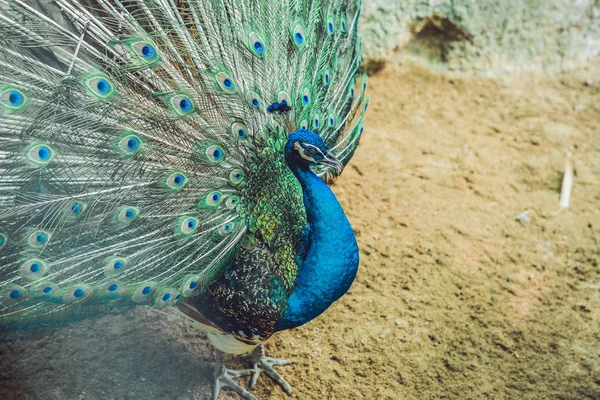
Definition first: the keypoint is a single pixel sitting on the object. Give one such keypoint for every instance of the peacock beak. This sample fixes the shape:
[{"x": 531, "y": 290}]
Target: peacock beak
[{"x": 331, "y": 161}]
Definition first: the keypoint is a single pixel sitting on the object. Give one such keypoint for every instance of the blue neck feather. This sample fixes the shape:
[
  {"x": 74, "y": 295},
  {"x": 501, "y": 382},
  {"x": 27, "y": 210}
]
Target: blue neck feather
[{"x": 331, "y": 262}]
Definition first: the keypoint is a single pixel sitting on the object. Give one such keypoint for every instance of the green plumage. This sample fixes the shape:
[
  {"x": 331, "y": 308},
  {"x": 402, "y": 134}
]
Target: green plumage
[{"x": 136, "y": 152}]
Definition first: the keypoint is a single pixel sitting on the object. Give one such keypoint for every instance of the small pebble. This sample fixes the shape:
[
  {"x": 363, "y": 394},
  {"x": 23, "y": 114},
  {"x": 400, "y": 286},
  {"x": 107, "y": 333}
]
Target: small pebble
[
  {"x": 547, "y": 245},
  {"x": 523, "y": 217},
  {"x": 578, "y": 107},
  {"x": 589, "y": 82}
]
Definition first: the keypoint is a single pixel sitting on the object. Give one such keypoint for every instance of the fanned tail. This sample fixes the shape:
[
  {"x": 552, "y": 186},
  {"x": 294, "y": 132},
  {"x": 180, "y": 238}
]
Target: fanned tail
[{"x": 130, "y": 133}]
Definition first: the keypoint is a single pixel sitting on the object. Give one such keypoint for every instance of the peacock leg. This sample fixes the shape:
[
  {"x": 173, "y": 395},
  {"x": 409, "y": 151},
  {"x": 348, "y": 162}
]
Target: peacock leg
[
  {"x": 224, "y": 378},
  {"x": 265, "y": 364}
]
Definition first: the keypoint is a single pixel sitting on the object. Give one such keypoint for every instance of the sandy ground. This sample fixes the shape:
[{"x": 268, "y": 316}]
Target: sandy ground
[{"x": 454, "y": 297}]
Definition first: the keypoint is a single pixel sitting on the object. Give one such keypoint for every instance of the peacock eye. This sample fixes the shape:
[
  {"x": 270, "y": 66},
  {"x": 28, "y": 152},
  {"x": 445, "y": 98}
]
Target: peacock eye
[
  {"x": 99, "y": 85},
  {"x": 283, "y": 97},
  {"x": 40, "y": 154},
  {"x": 227, "y": 228},
  {"x": 126, "y": 214},
  {"x": 232, "y": 202},
  {"x": 181, "y": 105},
  {"x": 187, "y": 225},
  {"x": 297, "y": 33},
  {"x": 146, "y": 52},
  {"x": 38, "y": 239},
  {"x": 214, "y": 154},
  {"x": 236, "y": 176},
  {"x": 33, "y": 269},
  {"x": 114, "y": 266},
  {"x": 225, "y": 82},
  {"x": 306, "y": 95},
  {"x": 310, "y": 152},
  {"x": 176, "y": 181},
  {"x": 212, "y": 199},
  {"x": 129, "y": 145},
  {"x": 239, "y": 131},
  {"x": 253, "y": 99},
  {"x": 257, "y": 44},
  {"x": 12, "y": 99}
]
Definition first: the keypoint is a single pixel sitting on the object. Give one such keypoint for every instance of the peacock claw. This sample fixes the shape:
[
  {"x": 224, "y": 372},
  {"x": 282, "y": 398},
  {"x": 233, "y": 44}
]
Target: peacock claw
[
  {"x": 265, "y": 364},
  {"x": 224, "y": 379}
]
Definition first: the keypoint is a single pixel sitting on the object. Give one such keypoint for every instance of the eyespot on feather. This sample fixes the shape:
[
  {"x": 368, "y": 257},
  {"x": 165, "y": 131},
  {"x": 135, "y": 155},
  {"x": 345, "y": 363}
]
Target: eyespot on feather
[
  {"x": 99, "y": 85},
  {"x": 225, "y": 82},
  {"x": 175, "y": 181},
  {"x": 77, "y": 294},
  {"x": 40, "y": 154},
  {"x": 186, "y": 225},
  {"x": 239, "y": 131},
  {"x": 343, "y": 24},
  {"x": 115, "y": 266},
  {"x": 129, "y": 145},
  {"x": 75, "y": 209},
  {"x": 165, "y": 298},
  {"x": 111, "y": 290},
  {"x": 284, "y": 97},
  {"x": 260, "y": 138},
  {"x": 37, "y": 239},
  {"x": 3, "y": 240},
  {"x": 213, "y": 154},
  {"x": 254, "y": 99},
  {"x": 226, "y": 228},
  {"x": 257, "y": 44},
  {"x": 331, "y": 120},
  {"x": 12, "y": 100},
  {"x": 306, "y": 95},
  {"x": 316, "y": 122},
  {"x": 211, "y": 199},
  {"x": 248, "y": 241},
  {"x": 236, "y": 176},
  {"x": 182, "y": 105},
  {"x": 326, "y": 76},
  {"x": 297, "y": 34},
  {"x": 12, "y": 294},
  {"x": 126, "y": 214},
  {"x": 146, "y": 52},
  {"x": 363, "y": 85},
  {"x": 33, "y": 268},
  {"x": 45, "y": 289},
  {"x": 143, "y": 293},
  {"x": 232, "y": 202},
  {"x": 330, "y": 25},
  {"x": 190, "y": 287}
]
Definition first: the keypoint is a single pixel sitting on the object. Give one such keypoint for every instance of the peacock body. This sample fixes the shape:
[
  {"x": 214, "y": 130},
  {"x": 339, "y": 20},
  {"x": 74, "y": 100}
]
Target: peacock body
[{"x": 173, "y": 153}]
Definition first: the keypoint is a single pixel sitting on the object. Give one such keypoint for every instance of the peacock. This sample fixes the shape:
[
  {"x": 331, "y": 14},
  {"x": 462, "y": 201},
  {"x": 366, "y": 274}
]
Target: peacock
[{"x": 177, "y": 154}]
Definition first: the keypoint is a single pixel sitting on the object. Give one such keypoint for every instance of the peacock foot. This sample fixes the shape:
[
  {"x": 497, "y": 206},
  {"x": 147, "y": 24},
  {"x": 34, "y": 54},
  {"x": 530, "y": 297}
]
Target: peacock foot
[
  {"x": 224, "y": 379},
  {"x": 265, "y": 364}
]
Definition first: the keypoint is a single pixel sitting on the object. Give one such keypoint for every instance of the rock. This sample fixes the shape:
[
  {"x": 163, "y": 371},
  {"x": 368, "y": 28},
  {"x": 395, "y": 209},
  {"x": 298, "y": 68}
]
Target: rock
[
  {"x": 523, "y": 217},
  {"x": 489, "y": 36},
  {"x": 578, "y": 107}
]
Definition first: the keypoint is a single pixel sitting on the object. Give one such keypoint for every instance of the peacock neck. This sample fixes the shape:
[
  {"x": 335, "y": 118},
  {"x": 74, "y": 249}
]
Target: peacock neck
[{"x": 331, "y": 262}]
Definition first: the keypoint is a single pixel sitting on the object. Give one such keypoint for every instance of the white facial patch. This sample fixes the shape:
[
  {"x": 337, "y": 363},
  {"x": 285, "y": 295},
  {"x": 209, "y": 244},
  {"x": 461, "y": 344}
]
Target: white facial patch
[{"x": 308, "y": 152}]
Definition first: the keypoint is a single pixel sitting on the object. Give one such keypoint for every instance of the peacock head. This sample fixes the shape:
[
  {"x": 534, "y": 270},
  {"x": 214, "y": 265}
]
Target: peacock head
[{"x": 305, "y": 148}]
